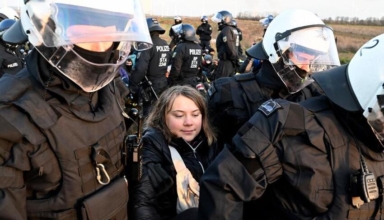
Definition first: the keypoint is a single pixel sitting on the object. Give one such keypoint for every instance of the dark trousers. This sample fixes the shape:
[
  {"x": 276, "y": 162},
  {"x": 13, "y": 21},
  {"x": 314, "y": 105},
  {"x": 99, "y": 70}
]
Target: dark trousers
[
  {"x": 224, "y": 69},
  {"x": 205, "y": 44}
]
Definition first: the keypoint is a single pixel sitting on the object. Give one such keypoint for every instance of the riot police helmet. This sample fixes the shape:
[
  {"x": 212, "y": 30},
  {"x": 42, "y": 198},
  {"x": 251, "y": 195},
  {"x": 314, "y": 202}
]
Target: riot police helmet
[
  {"x": 186, "y": 32},
  {"x": 177, "y": 19},
  {"x": 204, "y": 19},
  {"x": 223, "y": 17},
  {"x": 153, "y": 25},
  {"x": 358, "y": 85},
  {"x": 15, "y": 35},
  {"x": 8, "y": 12},
  {"x": 297, "y": 47},
  {"x": 85, "y": 41},
  {"x": 6, "y": 23}
]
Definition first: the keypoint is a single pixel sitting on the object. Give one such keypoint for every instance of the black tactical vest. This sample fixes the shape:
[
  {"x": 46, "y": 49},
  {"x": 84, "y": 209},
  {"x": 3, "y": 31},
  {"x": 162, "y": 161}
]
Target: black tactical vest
[
  {"x": 87, "y": 150},
  {"x": 316, "y": 142}
]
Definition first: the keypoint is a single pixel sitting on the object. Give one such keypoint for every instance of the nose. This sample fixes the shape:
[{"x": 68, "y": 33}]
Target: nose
[
  {"x": 305, "y": 66},
  {"x": 97, "y": 46},
  {"x": 188, "y": 121}
]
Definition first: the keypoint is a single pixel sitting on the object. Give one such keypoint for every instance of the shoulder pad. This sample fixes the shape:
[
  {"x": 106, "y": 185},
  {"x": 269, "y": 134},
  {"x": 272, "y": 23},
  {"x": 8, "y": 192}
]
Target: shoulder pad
[
  {"x": 316, "y": 104},
  {"x": 12, "y": 87},
  {"x": 218, "y": 84},
  {"x": 15, "y": 89},
  {"x": 268, "y": 107}
]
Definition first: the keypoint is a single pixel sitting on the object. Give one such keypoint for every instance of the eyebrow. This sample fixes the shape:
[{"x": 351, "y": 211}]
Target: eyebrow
[{"x": 184, "y": 111}]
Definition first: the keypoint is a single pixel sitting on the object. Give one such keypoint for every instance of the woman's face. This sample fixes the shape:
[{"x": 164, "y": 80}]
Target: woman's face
[{"x": 184, "y": 119}]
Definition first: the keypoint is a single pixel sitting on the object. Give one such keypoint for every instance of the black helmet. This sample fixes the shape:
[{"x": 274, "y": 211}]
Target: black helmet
[
  {"x": 185, "y": 31},
  {"x": 153, "y": 25},
  {"x": 223, "y": 17},
  {"x": 6, "y": 23},
  {"x": 177, "y": 20},
  {"x": 204, "y": 19},
  {"x": 15, "y": 34}
]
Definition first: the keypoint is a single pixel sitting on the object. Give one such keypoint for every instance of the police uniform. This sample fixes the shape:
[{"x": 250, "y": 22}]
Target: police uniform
[
  {"x": 173, "y": 36},
  {"x": 153, "y": 64},
  {"x": 204, "y": 31},
  {"x": 227, "y": 44},
  {"x": 186, "y": 60},
  {"x": 55, "y": 164},
  {"x": 233, "y": 100},
  {"x": 240, "y": 39},
  {"x": 305, "y": 154},
  {"x": 10, "y": 60}
]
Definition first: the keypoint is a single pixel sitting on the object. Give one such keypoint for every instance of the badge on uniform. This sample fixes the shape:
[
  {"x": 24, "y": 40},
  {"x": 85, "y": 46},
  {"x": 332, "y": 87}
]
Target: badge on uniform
[
  {"x": 138, "y": 55},
  {"x": 174, "y": 54},
  {"x": 269, "y": 107},
  {"x": 225, "y": 38},
  {"x": 211, "y": 90}
]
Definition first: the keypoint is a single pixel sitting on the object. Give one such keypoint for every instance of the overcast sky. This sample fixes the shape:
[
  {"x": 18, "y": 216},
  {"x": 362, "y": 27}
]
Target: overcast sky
[{"x": 323, "y": 8}]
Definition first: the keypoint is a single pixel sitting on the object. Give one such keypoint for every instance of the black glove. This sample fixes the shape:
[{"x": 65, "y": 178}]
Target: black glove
[{"x": 160, "y": 180}]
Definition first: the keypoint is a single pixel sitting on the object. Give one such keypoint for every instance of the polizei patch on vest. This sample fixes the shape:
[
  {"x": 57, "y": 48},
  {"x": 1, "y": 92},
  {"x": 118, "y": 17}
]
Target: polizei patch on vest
[{"x": 269, "y": 107}]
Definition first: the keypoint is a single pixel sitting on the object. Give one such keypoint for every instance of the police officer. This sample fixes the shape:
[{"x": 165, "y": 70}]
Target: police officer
[
  {"x": 320, "y": 159},
  {"x": 227, "y": 44},
  {"x": 204, "y": 30},
  {"x": 240, "y": 33},
  {"x": 186, "y": 58},
  {"x": 283, "y": 73},
  {"x": 153, "y": 64},
  {"x": 11, "y": 60},
  {"x": 265, "y": 22},
  {"x": 62, "y": 130},
  {"x": 174, "y": 37}
]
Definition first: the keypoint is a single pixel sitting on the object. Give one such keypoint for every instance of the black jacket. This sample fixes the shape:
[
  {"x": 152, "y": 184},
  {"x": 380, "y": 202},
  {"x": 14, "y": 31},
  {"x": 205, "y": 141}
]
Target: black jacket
[
  {"x": 10, "y": 60},
  {"x": 147, "y": 203},
  {"x": 233, "y": 100},
  {"x": 204, "y": 30},
  {"x": 49, "y": 126},
  {"x": 305, "y": 154},
  {"x": 186, "y": 60},
  {"x": 227, "y": 43},
  {"x": 153, "y": 63}
]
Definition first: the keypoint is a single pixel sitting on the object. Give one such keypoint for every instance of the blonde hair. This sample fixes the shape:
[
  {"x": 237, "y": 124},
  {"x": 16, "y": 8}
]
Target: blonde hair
[{"x": 156, "y": 118}]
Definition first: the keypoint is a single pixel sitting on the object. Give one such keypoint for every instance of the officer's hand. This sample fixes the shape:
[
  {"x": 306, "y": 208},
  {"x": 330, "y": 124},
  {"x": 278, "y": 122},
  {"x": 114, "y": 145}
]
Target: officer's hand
[{"x": 159, "y": 179}]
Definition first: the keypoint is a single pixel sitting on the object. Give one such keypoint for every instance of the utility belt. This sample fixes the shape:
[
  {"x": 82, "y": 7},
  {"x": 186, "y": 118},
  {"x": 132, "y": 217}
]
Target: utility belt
[
  {"x": 159, "y": 85},
  {"x": 109, "y": 202}
]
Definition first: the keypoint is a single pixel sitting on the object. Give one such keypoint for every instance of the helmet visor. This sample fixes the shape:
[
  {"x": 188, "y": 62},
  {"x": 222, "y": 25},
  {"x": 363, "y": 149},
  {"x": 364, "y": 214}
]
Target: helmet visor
[
  {"x": 178, "y": 28},
  {"x": 217, "y": 18},
  {"x": 311, "y": 49},
  {"x": 87, "y": 75},
  {"x": 62, "y": 22},
  {"x": 303, "y": 52}
]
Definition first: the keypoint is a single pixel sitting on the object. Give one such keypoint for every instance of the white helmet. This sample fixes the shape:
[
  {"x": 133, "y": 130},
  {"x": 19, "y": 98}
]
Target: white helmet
[
  {"x": 297, "y": 43},
  {"x": 7, "y": 12},
  {"x": 359, "y": 86},
  {"x": 57, "y": 27}
]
